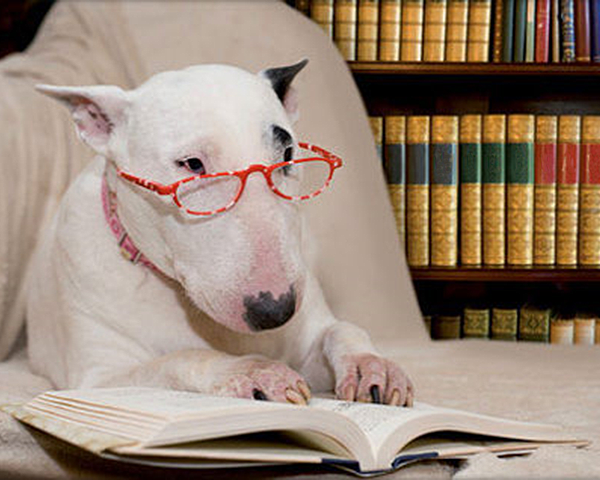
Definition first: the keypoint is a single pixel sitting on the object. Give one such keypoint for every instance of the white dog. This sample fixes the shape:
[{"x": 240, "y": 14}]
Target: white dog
[{"x": 220, "y": 303}]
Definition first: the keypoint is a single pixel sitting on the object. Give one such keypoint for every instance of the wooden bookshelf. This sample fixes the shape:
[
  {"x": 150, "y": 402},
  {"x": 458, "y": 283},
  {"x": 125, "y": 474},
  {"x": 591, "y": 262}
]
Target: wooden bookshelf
[{"x": 506, "y": 274}]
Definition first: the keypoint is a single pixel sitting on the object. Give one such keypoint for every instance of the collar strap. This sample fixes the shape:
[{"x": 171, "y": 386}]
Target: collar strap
[{"x": 128, "y": 248}]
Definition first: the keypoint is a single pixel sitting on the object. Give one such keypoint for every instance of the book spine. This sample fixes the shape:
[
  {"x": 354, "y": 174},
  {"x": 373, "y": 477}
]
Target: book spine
[
  {"x": 367, "y": 35},
  {"x": 561, "y": 331},
  {"x": 555, "y": 26},
  {"x": 567, "y": 21},
  {"x": 534, "y": 324},
  {"x": 520, "y": 29},
  {"x": 444, "y": 190},
  {"x": 377, "y": 129},
  {"x": 427, "y": 322},
  {"x": 445, "y": 327},
  {"x": 589, "y": 192},
  {"x": 497, "y": 29},
  {"x": 519, "y": 189},
  {"x": 417, "y": 191},
  {"x": 470, "y": 189},
  {"x": 321, "y": 11},
  {"x": 434, "y": 34},
  {"x": 493, "y": 179},
  {"x": 567, "y": 189},
  {"x": 389, "y": 30},
  {"x": 504, "y": 324},
  {"x": 395, "y": 167},
  {"x": 542, "y": 32},
  {"x": 530, "y": 31},
  {"x": 597, "y": 332},
  {"x": 508, "y": 16},
  {"x": 476, "y": 323},
  {"x": 345, "y": 27},
  {"x": 584, "y": 331},
  {"x": 456, "y": 30},
  {"x": 478, "y": 36},
  {"x": 411, "y": 44},
  {"x": 544, "y": 223},
  {"x": 582, "y": 31},
  {"x": 595, "y": 30}
]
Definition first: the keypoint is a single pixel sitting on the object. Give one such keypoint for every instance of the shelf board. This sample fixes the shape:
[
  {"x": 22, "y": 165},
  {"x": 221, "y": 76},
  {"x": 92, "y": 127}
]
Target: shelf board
[
  {"x": 506, "y": 274},
  {"x": 483, "y": 69}
]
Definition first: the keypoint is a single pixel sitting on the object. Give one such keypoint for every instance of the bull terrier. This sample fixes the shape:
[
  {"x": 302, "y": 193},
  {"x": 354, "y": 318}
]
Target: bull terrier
[{"x": 215, "y": 295}]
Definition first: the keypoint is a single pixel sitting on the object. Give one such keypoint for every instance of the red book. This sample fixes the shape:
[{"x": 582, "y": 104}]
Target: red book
[
  {"x": 589, "y": 227},
  {"x": 542, "y": 31},
  {"x": 582, "y": 31}
]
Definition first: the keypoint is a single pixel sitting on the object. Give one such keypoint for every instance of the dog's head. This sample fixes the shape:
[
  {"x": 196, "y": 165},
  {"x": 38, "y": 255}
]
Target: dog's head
[{"x": 243, "y": 266}]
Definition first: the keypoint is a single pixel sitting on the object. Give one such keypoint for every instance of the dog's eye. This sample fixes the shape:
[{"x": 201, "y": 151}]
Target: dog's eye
[{"x": 194, "y": 165}]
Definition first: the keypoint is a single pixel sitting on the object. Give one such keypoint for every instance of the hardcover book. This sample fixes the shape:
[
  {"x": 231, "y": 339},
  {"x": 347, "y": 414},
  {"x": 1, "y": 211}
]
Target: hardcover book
[
  {"x": 544, "y": 228},
  {"x": 456, "y": 30},
  {"x": 567, "y": 189},
  {"x": 583, "y": 333},
  {"x": 478, "y": 37},
  {"x": 434, "y": 34},
  {"x": 497, "y": 31},
  {"x": 595, "y": 30},
  {"x": 389, "y": 30},
  {"x": 417, "y": 191},
  {"x": 530, "y": 31},
  {"x": 444, "y": 190},
  {"x": 377, "y": 129},
  {"x": 508, "y": 16},
  {"x": 170, "y": 428},
  {"x": 445, "y": 327},
  {"x": 555, "y": 25},
  {"x": 411, "y": 44},
  {"x": 582, "y": 31},
  {"x": 519, "y": 190},
  {"x": 321, "y": 11},
  {"x": 589, "y": 191},
  {"x": 345, "y": 17},
  {"x": 470, "y": 190},
  {"x": 534, "y": 324},
  {"x": 567, "y": 26},
  {"x": 368, "y": 26},
  {"x": 520, "y": 29},
  {"x": 542, "y": 31},
  {"x": 561, "y": 331},
  {"x": 494, "y": 196},
  {"x": 395, "y": 167},
  {"x": 504, "y": 323},
  {"x": 476, "y": 323}
]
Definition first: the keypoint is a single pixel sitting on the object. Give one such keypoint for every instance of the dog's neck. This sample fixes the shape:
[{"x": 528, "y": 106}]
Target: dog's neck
[{"x": 109, "y": 205}]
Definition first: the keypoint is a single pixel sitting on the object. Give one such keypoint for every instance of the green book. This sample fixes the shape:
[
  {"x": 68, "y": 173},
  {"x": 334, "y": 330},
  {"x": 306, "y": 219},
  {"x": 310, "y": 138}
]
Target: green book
[
  {"x": 476, "y": 322},
  {"x": 504, "y": 323},
  {"x": 534, "y": 324},
  {"x": 530, "y": 31},
  {"x": 520, "y": 24},
  {"x": 508, "y": 15},
  {"x": 445, "y": 327}
]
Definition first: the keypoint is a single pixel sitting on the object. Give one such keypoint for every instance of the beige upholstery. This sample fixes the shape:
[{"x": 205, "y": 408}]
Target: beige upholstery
[{"x": 358, "y": 258}]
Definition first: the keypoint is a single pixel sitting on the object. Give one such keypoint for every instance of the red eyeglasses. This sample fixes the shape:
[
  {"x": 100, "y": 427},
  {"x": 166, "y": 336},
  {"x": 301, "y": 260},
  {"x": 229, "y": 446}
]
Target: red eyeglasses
[{"x": 298, "y": 179}]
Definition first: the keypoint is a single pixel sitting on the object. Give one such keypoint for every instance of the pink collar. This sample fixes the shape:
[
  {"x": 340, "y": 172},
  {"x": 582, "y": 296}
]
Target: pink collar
[{"x": 128, "y": 248}]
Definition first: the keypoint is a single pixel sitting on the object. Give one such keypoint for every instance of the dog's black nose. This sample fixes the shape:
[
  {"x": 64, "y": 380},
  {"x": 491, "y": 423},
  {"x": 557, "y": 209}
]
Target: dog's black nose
[{"x": 263, "y": 311}]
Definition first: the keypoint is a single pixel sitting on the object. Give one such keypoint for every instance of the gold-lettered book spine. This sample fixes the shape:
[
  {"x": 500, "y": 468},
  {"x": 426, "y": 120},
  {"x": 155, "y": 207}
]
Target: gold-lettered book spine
[
  {"x": 519, "y": 190},
  {"x": 567, "y": 189},
  {"x": 589, "y": 201},
  {"x": 434, "y": 35},
  {"x": 444, "y": 190},
  {"x": 389, "y": 30},
  {"x": 476, "y": 323},
  {"x": 544, "y": 222},
  {"x": 368, "y": 30},
  {"x": 494, "y": 196},
  {"x": 583, "y": 333},
  {"x": 411, "y": 43},
  {"x": 417, "y": 191},
  {"x": 561, "y": 331},
  {"x": 345, "y": 19},
  {"x": 470, "y": 190},
  {"x": 504, "y": 323},
  {"x": 395, "y": 160},
  {"x": 478, "y": 36},
  {"x": 321, "y": 11},
  {"x": 456, "y": 30}
]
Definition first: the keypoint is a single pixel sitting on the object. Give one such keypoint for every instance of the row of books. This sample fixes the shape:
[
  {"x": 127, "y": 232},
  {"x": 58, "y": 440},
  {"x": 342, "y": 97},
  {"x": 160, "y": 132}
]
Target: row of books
[
  {"x": 461, "y": 30},
  {"x": 494, "y": 189},
  {"x": 528, "y": 323}
]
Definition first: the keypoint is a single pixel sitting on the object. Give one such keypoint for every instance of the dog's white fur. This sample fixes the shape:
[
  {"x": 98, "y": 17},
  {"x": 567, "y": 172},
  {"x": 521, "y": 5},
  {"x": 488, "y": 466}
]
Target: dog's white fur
[{"x": 95, "y": 319}]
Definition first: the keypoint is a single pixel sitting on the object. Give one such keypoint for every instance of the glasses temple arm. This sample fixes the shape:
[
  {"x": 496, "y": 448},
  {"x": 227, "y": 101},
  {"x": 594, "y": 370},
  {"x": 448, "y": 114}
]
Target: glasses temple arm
[{"x": 148, "y": 184}]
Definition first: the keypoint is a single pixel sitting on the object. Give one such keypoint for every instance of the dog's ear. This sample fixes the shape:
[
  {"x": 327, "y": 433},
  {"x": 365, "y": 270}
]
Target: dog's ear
[
  {"x": 97, "y": 111},
  {"x": 281, "y": 79}
]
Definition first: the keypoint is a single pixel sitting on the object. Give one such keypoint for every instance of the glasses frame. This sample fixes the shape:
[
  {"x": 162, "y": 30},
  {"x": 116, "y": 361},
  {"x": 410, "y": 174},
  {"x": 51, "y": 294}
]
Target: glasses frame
[{"x": 334, "y": 162}]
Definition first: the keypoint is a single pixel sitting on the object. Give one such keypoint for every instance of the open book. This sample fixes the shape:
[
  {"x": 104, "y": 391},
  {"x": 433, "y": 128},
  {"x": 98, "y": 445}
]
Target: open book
[{"x": 185, "y": 429}]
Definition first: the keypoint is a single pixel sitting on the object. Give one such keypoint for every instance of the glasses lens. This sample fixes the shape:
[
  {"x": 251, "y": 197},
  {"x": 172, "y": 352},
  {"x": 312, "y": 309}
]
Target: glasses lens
[
  {"x": 301, "y": 180},
  {"x": 207, "y": 195}
]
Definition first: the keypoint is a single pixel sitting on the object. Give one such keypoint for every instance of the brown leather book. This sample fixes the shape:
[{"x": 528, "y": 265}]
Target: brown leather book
[{"x": 582, "y": 31}]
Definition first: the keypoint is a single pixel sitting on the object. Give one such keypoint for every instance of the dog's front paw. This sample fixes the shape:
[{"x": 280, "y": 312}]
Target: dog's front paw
[
  {"x": 369, "y": 378},
  {"x": 263, "y": 379}
]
